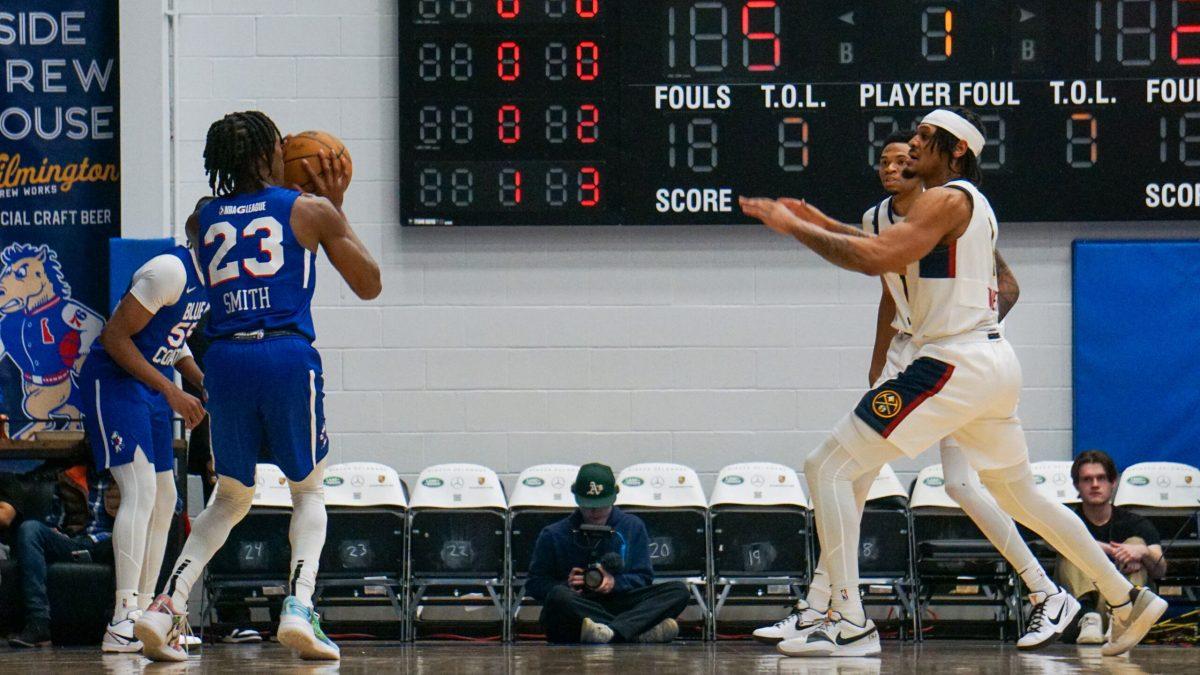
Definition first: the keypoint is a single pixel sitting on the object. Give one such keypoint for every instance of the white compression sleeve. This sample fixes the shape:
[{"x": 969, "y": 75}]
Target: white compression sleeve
[
  {"x": 136, "y": 483},
  {"x": 307, "y": 532},
  {"x": 156, "y": 541},
  {"x": 831, "y": 471},
  {"x": 231, "y": 500},
  {"x": 995, "y": 524},
  {"x": 1014, "y": 491},
  {"x": 819, "y": 591}
]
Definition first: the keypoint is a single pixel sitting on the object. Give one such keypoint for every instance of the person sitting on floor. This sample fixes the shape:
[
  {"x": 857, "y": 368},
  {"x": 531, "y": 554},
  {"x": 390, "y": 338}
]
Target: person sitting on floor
[{"x": 592, "y": 573}]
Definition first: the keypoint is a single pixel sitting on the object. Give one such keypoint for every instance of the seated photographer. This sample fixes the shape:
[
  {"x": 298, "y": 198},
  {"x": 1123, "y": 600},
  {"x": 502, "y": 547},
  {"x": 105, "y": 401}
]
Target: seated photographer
[
  {"x": 591, "y": 572},
  {"x": 1128, "y": 538},
  {"x": 81, "y": 518}
]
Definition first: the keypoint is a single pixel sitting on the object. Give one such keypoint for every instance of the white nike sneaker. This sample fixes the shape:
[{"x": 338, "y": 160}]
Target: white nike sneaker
[
  {"x": 118, "y": 637},
  {"x": 1144, "y": 610},
  {"x": 835, "y": 637},
  {"x": 160, "y": 629},
  {"x": 239, "y": 636},
  {"x": 802, "y": 621},
  {"x": 1091, "y": 631},
  {"x": 1052, "y": 614}
]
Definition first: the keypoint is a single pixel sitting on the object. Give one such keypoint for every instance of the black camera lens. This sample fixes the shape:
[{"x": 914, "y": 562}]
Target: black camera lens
[{"x": 593, "y": 577}]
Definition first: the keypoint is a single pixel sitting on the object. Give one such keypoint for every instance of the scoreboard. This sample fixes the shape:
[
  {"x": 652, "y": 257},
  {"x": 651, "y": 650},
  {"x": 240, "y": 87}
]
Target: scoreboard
[{"x": 644, "y": 112}]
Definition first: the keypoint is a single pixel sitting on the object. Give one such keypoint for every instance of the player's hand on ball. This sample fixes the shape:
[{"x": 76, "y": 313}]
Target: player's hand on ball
[
  {"x": 331, "y": 180},
  {"x": 187, "y": 406},
  {"x": 773, "y": 214}
]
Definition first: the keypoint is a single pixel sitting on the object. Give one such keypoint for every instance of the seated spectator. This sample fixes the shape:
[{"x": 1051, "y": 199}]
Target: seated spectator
[
  {"x": 591, "y": 572},
  {"x": 81, "y": 518},
  {"x": 1129, "y": 539}
]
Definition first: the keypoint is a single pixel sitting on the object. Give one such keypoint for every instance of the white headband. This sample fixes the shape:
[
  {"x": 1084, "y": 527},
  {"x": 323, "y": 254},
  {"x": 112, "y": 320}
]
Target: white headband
[{"x": 957, "y": 125}]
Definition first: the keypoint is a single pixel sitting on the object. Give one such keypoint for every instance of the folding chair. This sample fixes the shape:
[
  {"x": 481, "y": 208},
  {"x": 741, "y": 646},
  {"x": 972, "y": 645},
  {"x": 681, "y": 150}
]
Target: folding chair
[
  {"x": 1168, "y": 494},
  {"x": 956, "y": 564},
  {"x": 669, "y": 500},
  {"x": 541, "y": 497},
  {"x": 458, "y": 520},
  {"x": 760, "y": 526},
  {"x": 363, "y": 559},
  {"x": 252, "y": 567}
]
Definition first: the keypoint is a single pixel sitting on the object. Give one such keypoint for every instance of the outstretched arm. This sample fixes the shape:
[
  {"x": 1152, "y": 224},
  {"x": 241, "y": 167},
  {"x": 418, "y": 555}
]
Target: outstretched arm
[{"x": 934, "y": 215}]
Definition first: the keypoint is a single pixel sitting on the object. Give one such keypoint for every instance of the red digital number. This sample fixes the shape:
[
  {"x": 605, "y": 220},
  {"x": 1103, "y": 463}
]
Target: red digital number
[
  {"x": 508, "y": 61},
  {"x": 1185, "y": 29},
  {"x": 508, "y": 9},
  {"x": 587, "y": 9},
  {"x": 586, "y": 129},
  {"x": 759, "y": 36},
  {"x": 509, "y": 127},
  {"x": 587, "y": 61},
  {"x": 589, "y": 186}
]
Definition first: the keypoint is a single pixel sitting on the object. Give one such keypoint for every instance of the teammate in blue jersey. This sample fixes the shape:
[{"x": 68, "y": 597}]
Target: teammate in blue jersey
[
  {"x": 258, "y": 243},
  {"x": 128, "y": 394}
]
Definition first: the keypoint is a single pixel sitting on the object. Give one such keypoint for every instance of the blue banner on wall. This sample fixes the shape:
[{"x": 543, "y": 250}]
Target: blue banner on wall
[
  {"x": 1137, "y": 350},
  {"x": 60, "y": 198}
]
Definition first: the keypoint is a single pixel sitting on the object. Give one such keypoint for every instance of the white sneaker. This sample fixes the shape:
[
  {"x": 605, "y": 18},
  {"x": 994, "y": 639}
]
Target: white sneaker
[
  {"x": 300, "y": 630},
  {"x": 118, "y": 637},
  {"x": 664, "y": 632},
  {"x": 835, "y": 637},
  {"x": 802, "y": 621},
  {"x": 1052, "y": 614},
  {"x": 1145, "y": 608},
  {"x": 242, "y": 636},
  {"x": 1091, "y": 631},
  {"x": 592, "y": 633},
  {"x": 160, "y": 628}
]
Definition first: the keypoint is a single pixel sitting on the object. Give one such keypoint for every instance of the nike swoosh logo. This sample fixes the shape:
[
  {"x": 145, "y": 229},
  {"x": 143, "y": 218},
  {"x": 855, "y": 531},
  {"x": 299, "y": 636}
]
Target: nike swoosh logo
[
  {"x": 1060, "y": 613},
  {"x": 856, "y": 638},
  {"x": 191, "y": 288}
]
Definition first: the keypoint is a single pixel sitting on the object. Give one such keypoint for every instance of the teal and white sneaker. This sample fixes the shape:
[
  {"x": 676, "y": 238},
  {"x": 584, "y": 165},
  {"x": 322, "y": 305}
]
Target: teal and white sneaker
[{"x": 300, "y": 630}]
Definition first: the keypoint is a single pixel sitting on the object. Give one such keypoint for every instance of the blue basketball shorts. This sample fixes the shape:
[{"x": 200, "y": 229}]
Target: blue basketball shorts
[{"x": 121, "y": 416}]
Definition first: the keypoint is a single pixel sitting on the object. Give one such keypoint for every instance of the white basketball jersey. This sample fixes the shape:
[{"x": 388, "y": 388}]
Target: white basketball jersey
[
  {"x": 953, "y": 289},
  {"x": 875, "y": 220}
]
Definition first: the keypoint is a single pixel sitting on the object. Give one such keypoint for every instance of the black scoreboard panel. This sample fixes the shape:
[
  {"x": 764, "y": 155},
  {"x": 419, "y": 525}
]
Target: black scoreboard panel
[{"x": 648, "y": 112}]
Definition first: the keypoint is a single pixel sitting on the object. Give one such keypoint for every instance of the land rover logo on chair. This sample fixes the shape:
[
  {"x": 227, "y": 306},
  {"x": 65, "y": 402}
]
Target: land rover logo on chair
[
  {"x": 1138, "y": 480},
  {"x": 333, "y": 481},
  {"x": 732, "y": 480},
  {"x": 632, "y": 481},
  {"x": 432, "y": 482},
  {"x": 934, "y": 481},
  {"x": 534, "y": 481}
]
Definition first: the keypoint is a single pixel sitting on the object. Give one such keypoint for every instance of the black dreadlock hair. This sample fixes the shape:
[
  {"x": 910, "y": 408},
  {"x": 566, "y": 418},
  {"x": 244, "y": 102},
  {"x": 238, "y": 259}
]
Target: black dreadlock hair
[
  {"x": 944, "y": 142},
  {"x": 238, "y": 152}
]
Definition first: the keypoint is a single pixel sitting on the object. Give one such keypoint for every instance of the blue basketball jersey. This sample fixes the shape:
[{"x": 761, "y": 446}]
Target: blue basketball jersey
[
  {"x": 162, "y": 340},
  {"x": 259, "y": 276}
]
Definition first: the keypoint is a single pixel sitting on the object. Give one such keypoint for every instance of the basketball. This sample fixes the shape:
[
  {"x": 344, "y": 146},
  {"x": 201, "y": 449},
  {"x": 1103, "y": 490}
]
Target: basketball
[{"x": 307, "y": 145}]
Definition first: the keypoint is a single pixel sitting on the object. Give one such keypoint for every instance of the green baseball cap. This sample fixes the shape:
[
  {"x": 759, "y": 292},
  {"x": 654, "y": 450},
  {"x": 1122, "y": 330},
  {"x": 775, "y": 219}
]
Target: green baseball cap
[{"x": 595, "y": 487}]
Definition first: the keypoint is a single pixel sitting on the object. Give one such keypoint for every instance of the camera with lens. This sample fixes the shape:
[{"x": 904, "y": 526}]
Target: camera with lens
[{"x": 594, "y": 537}]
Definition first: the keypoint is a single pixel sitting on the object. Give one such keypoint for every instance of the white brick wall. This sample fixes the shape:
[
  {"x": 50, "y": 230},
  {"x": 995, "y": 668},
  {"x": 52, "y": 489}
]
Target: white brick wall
[{"x": 510, "y": 347}]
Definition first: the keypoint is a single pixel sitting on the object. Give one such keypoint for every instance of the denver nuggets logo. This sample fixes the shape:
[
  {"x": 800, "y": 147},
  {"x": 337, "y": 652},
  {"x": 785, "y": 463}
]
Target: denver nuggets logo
[
  {"x": 887, "y": 404},
  {"x": 116, "y": 442}
]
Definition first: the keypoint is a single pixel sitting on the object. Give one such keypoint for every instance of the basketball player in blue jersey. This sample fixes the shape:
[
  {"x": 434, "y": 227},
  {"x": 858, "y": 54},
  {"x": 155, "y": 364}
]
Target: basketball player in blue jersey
[
  {"x": 892, "y": 338},
  {"x": 128, "y": 393},
  {"x": 958, "y": 376},
  {"x": 258, "y": 244}
]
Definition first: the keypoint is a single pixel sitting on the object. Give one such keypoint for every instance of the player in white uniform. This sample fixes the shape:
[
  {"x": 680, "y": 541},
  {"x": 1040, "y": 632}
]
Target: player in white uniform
[
  {"x": 1047, "y": 622},
  {"x": 960, "y": 378}
]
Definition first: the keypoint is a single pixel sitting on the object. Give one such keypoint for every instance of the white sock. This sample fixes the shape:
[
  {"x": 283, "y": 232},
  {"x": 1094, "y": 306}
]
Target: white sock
[
  {"x": 156, "y": 541},
  {"x": 307, "y": 533},
  {"x": 819, "y": 591},
  {"x": 995, "y": 524},
  {"x": 231, "y": 500},
  {"x": 1014, "y": 491},
  {"x": 135, "y": 481}
]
